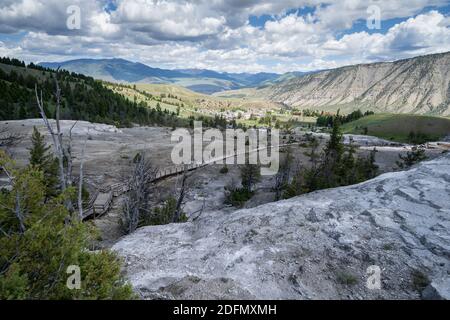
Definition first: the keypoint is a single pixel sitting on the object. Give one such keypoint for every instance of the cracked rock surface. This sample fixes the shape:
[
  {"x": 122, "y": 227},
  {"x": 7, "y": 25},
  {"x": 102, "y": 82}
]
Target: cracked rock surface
[{"x": 315, "y": 246}]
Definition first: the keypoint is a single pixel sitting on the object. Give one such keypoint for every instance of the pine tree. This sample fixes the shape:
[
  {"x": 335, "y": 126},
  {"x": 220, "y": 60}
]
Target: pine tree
[
  {"x": 370, "y": 168},
  {"x": 330, "y": 168},
  {"x": 335, "y": 147},
  {"x": 349, "y": 170},
  {"x": 250, "y": 175},
  {"x": 41, "y": 159},
  {"x": 412, "y": 157},
  {"x": 337, "y": 166},
  {"x": 39, "y": 150},
  {"x": 39, "y": 241}
]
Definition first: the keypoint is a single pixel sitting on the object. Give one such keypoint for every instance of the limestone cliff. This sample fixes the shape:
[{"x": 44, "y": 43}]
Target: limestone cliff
[{"x": 419, "y": 85}]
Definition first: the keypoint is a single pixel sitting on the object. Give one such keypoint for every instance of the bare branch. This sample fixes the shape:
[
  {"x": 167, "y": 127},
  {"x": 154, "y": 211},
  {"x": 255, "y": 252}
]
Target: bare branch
[
  {"x": 137, "y": 198},
  {"x": 18, "y": 213},
  {"x": 8, "y": 174},
  {"x": 68, "y": 155},
  {"x": 56, "y": 142},
  {"x": 59, "y": 133},
  {"x": 65, "y": 179},
  {"x": 201, "y": 211},
  {"x": 80, "y": 182},
  {"x": 40, "y": 104},
  {"x": 8, "y": 139},
  {"x": 4, "y": 232},
  {"x": 178, "y": 209},
  {"x": 58, "y": 107},
  {"x": 283, "y": 174}
]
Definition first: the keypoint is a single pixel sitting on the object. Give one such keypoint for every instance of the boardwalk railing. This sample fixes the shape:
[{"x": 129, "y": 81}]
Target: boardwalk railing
[{"x": 101, "y": 201}]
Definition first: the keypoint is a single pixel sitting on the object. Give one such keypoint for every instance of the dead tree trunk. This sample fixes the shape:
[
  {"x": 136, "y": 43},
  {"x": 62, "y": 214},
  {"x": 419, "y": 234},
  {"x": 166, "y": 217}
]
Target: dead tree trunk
[
  {"x": 56, "y": 141},
  {"x": 137, "y": 198},
  {"x": 8, "y": 139},
  {"x": 80, "y": 182},
  {"x": 68, "y": 156},
  {"x": 18, "y": 211},
  {"x": 178, "y": 208},
  {"x": 282, "y": 176},
  {"x": 65, "y": 179}
]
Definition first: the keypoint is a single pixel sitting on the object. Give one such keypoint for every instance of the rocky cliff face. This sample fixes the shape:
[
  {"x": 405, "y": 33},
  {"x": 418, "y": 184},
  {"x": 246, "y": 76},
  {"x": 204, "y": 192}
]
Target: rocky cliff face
[
  {"x": 314, "y": 246},
  {"x": 419, "y": 85}
]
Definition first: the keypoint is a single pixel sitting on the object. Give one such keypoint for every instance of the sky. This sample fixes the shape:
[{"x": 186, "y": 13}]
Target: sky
[{"x": 225, "y": 35}]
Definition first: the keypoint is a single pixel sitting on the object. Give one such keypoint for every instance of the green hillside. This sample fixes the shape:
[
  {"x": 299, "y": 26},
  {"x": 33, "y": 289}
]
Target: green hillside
[
  {"x": 401, "y": 127},
  {"x": 187, "y": 103},
  {"x": 83, "y": 98}
]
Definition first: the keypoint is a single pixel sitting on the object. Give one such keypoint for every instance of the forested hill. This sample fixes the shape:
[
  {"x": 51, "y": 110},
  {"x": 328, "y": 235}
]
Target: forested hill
[{"x": 83, "y": 98}]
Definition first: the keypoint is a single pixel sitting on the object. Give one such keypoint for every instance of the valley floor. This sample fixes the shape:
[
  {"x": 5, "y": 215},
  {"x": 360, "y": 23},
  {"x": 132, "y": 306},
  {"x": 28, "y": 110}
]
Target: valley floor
[
  {"x": 110, "y": 151},
  {"x": 314, "y": 246}
]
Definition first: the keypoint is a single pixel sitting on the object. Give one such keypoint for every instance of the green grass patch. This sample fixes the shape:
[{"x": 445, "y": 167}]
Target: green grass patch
[
  {"x": 238, "y": 197},
  {"x": 346, "y": 278},
  {"x": 419, "y": 280},
  {"x": 408, "y": 128}
]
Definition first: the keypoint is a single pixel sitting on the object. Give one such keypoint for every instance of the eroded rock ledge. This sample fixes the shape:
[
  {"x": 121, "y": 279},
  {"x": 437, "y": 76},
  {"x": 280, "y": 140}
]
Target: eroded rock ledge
[{"x": 316, "y": 246}]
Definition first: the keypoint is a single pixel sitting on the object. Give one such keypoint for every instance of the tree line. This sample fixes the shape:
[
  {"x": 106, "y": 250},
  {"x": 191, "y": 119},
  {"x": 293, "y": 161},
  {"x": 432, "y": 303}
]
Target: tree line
[
  {"x": 84, "y": 99},
  {"x": 327, "y": 120},
  {"x": 42, "y": 236},
  {"x": 337, "y": 165}
]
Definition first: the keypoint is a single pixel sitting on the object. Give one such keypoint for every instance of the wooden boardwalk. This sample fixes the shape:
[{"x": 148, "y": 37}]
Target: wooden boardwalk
[{"x": 101, "y": 200}]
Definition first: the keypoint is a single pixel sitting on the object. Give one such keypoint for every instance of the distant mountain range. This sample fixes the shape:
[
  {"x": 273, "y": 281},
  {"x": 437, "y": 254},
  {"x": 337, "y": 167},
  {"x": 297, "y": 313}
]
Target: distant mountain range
[
  {"x": 418, "y": 85},
  {"x": 199, "y": 80}
]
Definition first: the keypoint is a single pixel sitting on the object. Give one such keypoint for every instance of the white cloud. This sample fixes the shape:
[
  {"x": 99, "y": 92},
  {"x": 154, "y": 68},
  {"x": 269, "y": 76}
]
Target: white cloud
[
  {"x": 341, "y": 14},
  {"x": 48, "y": 16},
  {"x": 164, "y": 20},
  {"x": 426, "y": 33},
  {"x": 216, "y": 34}
]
